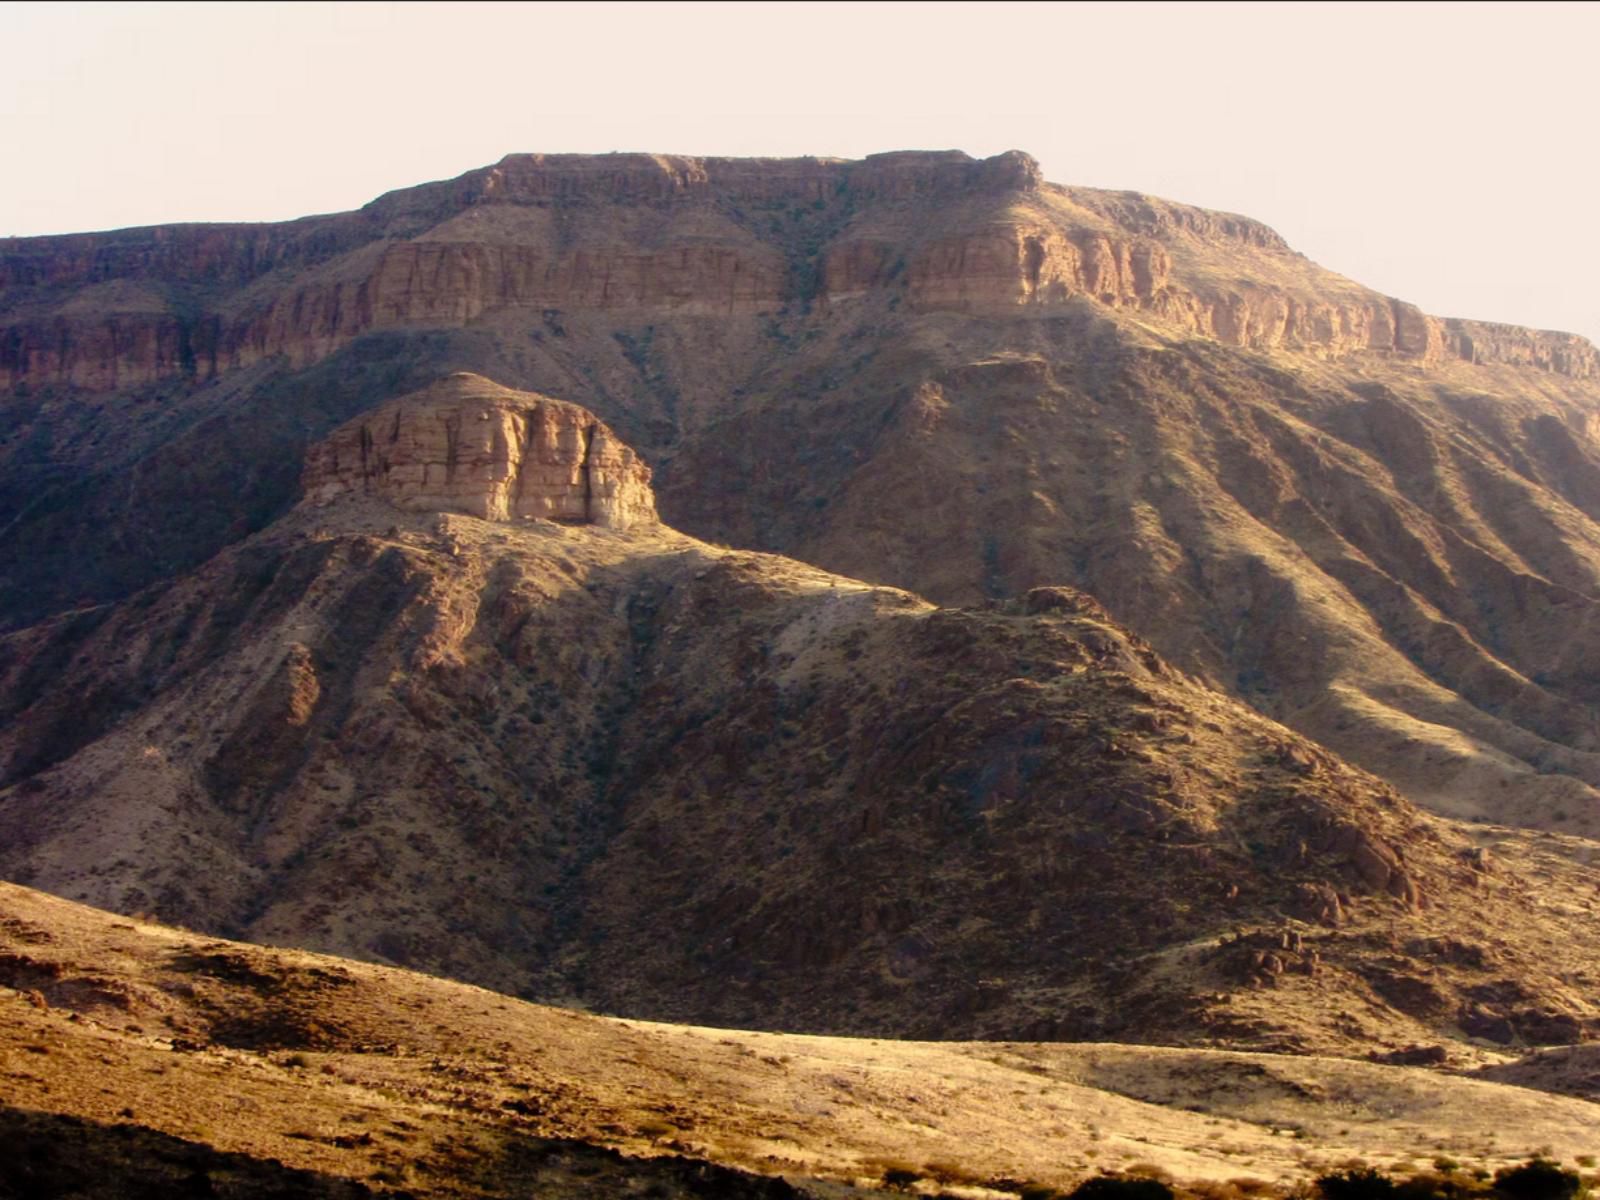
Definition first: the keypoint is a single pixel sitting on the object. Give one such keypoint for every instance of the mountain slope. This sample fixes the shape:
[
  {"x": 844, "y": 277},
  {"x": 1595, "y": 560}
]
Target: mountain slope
[
  {"x": 944, "y": 375},
  {"x": 605, "y": 760}
]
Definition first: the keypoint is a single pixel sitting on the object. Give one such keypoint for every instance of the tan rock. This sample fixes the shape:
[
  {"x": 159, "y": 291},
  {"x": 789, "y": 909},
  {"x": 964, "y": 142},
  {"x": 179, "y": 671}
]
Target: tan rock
[
  {"x": 642, "y": 235},
  {"x": 468, "y": 445}
]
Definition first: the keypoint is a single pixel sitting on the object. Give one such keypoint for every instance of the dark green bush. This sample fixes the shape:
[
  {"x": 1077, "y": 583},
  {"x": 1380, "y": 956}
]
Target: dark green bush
[
  {"x": 1361, "y": 1183},
  {"x": 1113, "y": 1187},
  {"x": 1432, "y": 1185},
  {"x": 1537, "y": 1179}
]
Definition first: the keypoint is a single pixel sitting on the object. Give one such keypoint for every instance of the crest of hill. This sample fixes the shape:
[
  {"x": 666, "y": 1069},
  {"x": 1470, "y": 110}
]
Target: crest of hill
[
  {"x": 468, "y": 445},
  {"x": 662, "y": 234},
  {"x": 933, "y": 372}
]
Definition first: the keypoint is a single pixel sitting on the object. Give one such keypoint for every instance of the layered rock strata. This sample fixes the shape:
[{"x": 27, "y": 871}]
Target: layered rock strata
[
  {"x": 924, "y": 370},
  {"x": 636, "y": 235},
  {"x": 468, "y": 445}
]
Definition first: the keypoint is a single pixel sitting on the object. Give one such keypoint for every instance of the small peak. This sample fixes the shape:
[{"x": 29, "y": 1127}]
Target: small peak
[
  {"x": 1020, "y": 163},
  {"x": 464, "y": 381},
  {"x": 470, "y": 445}
]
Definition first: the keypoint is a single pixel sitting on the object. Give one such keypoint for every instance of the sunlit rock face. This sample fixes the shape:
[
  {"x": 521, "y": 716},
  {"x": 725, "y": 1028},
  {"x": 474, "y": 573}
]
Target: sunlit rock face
[{"x": 468, "y": 445}]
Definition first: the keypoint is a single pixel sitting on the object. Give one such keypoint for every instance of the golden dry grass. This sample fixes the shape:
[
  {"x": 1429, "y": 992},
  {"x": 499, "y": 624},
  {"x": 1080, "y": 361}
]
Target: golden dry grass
[{"x": 369, "y": 1073}]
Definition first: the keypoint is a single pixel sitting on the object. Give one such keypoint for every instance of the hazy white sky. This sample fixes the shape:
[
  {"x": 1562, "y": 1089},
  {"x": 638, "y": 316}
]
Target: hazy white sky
[{"x": 1444, "y": 153}]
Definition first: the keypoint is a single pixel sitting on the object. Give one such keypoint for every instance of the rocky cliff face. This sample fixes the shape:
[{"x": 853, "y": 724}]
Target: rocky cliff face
[
  {"x": 1037, "y": 267},
  {"x": 64, "y": 319},
  {"x": 468, "y": 445},
  {"x": 641, "y": 236},
  {"x": 938, "y": 373}
]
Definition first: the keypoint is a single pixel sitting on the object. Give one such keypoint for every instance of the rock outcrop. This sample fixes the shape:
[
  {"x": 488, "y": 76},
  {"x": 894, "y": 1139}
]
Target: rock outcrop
[
  {"x": 468, "y": 445},
  {"x": 1038, "y": 267},
  {"x": 645, "y": 236}
]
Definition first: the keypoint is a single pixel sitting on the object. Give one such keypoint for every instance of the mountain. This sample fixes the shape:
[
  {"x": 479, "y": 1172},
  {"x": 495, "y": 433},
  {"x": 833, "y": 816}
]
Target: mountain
[
  {"x": 929, "y": 372},
  {"x": 144, "y": 1060},
  {"x": 471, "y": 708}
]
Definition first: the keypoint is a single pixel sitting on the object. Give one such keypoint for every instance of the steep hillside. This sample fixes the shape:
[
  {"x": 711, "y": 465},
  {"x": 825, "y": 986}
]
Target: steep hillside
[
  {"x": 602, "y": 759},
  {"x": 927, "y": 371}
]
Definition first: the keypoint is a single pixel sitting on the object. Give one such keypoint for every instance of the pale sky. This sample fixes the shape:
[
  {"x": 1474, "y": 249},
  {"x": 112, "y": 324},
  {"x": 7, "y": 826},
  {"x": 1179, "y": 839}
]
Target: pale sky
[{"x": 1443, "y": 153}]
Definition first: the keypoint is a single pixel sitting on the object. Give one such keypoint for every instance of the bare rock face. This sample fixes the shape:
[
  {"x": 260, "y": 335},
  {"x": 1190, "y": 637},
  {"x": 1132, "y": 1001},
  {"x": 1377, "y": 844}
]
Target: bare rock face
[
  {"x": 468, "y": 445},
  {"x": 642, "y": 237}
]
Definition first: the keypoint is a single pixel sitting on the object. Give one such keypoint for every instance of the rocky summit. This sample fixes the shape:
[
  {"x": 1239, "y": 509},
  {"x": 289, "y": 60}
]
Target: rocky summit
[
  {"x": 663, "y": 234},
  {"x": 904, "y": 598},
  {"x": 467, "y": 445}
]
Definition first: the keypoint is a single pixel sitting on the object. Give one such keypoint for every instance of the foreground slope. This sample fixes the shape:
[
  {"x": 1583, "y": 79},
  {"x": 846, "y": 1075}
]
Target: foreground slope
[
  {"x": 932, "y": 372},
  {"x": 602, "y": 759},
  {"x": 146, "y": 1049}
]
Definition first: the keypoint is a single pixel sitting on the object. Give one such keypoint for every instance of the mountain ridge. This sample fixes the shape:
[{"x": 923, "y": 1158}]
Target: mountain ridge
[
  {"x": 684, "y": 781},
  {"x": 1371, "y": 540},
  {"x": 845, "y": 376},
  {"x": 1116, "y": 251}
]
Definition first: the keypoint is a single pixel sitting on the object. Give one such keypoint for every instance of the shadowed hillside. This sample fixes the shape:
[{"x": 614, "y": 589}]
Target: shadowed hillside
[
  {"x": 923, "y": 370},
  {"x": 681, "y": 781}
]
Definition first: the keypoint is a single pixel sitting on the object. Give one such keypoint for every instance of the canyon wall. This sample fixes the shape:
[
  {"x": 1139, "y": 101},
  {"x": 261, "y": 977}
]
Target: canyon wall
[{"x": 927, "y": 231}]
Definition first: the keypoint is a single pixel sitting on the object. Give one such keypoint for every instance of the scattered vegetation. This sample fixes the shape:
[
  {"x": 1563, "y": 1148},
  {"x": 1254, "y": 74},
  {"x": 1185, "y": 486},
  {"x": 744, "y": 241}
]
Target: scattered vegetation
[
  {"x": 1538, "y": 1179},
  {"x": 1100, "y": 1187},
  {"x": 1359, "y": 1183},
  {"x": 1121, "y": 1187},
  {"x": 899, "y": 1178}
]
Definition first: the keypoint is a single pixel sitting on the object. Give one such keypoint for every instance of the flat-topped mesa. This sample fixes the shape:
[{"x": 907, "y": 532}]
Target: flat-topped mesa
[
  {"x": 468, "y": 445},
  {"x": 634, "y": 239},
  {"x": 235, "y": 253},
  {"x": 554, "y": 179}
]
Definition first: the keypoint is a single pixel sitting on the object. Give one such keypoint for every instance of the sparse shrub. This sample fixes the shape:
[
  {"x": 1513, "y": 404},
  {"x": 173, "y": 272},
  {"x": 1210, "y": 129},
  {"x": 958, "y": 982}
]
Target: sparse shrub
[
  {"x": 1537, "y": 1179},
  {"x": 1430, "y": 1185},
  {"x": 1121, "y": 1187},
  {"x": 1147, "y": 1170},
  {"x": 1357, "y": 1183},
  {"x": 949, "y": 1172},
  {"x": 899, "y": 1178},
  {"x": 1233, "y": 1189}
]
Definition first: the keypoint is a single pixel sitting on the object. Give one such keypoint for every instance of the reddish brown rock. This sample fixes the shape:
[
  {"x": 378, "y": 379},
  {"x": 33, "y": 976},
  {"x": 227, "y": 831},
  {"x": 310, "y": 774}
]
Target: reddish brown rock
[
  {"x": 1376, "y": 864},
  {"x": 667, "y": 234},
  {"x": 471, "y": 446}
]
